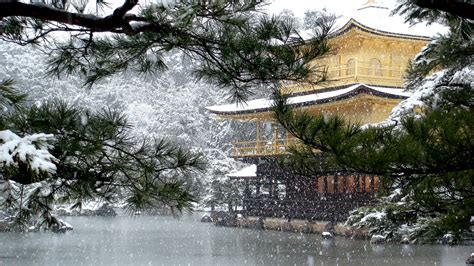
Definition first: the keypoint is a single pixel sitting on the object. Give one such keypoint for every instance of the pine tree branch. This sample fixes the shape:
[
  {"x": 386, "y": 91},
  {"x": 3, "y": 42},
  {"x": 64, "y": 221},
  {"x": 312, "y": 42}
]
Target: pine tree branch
[
  {"x": 117, "y": 20},
  {"x": 460, "y": 8}
]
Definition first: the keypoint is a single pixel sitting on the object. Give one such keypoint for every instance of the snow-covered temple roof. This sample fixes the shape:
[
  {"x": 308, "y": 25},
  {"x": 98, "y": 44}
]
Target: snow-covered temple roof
[
  {"x": 376, "y": 17},
  {"x": 246, "y": 172},
  {"x": 373, "y": 17},
  {"x": 317, "y": 97}
]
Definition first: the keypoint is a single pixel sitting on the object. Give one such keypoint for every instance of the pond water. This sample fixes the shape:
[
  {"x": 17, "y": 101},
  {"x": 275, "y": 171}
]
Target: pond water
[{"x": 164, "y": 240}]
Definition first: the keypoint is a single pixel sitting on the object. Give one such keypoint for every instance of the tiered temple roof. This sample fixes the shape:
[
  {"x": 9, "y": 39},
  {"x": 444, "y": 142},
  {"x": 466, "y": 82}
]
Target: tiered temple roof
[
  {"x": 370, "y": 51},
  {"x": 316, "y": 97},
  {"x": 376, "y": 17}
]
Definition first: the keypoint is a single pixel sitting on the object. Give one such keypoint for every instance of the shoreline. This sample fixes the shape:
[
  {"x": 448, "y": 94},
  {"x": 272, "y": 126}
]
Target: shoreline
[
  {"x": 339, "y": 229},
  {"x": 293, "y": 225}
]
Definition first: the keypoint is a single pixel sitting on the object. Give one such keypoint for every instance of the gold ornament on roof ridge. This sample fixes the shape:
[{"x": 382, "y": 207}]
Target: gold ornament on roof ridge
[{"x": 368, "y": 2}]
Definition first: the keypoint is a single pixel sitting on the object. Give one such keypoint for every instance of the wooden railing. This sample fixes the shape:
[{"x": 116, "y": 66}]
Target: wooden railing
[
  {"x": 359, "y": 71},
  {"x": 262, "y": 147},
  {"x": 355, "y": 72},
  {"x": 365, "y": 69}
]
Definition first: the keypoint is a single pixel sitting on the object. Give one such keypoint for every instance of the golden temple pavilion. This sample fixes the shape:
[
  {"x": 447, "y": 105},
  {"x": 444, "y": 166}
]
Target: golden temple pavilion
[{"x": 370, "y": 51}]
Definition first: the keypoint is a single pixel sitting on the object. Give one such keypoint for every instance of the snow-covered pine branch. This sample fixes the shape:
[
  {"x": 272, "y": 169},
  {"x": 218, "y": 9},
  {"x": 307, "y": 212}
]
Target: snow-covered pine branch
[{"x": 31, "y": 150}]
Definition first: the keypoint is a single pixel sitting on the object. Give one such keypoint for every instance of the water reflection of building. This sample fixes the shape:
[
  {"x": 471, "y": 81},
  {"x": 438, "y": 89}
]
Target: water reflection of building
[{"x": 370, "y": 52}]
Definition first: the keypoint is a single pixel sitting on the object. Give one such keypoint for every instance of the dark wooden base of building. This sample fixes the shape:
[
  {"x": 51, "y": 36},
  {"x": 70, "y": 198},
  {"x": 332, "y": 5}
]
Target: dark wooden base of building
[{"x": 280, "y": 193}]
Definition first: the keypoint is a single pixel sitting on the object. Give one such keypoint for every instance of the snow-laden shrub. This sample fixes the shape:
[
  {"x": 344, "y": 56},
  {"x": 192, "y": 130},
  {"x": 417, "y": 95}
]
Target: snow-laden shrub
[
  {"x": 398, "y": 217},
  {"x": 27, "y": 207},
  {"x": 27, "y": 157}
]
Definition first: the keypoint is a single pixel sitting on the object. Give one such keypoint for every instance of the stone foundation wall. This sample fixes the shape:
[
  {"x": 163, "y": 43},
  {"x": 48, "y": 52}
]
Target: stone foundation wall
[{"x": 301, "y": 226}]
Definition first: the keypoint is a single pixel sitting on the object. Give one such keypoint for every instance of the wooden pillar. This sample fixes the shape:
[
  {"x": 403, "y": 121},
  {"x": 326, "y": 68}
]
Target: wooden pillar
[
  {"x": 285, "y": 140},
  {"x": 355, "y": 67},
  {"x": 336, "y": 183},
  {"x": 270, "y": 189},
  {"x": 390, "y": 71},
  {"x": 257, "y": 190},
  {"x": 325, "y": 184},
  {"x": 257, "y": 137},
  {"x": 275, "y": 137},
  {"x": 357, "y": 185},
  {"x": 247, "y": 194},
  {"x": 257, "y": 199},
  {"x": 372, "y": 184},
  {"x": 364, "y": 183},
  {"x": 340, "y": 65},
  {"x": 316, "y": 185},
  {"x": 343, "y": 181}
]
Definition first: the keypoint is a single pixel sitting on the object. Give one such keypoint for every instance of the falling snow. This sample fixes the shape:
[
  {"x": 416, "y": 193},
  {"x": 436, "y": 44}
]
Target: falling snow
[{"x": 174, "y": 106}]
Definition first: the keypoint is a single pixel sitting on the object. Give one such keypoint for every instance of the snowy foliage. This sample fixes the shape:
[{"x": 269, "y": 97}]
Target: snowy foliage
[
  {"x": 394, "y": 218},
  {"x": 428, "y": 95},
  {"x": 21, "y": 204},
  {"x": 222, "y": 192},
  {"x": 31, "y": 150},
  {"x": 168, "y": 105},
  {"x": 20, "y": 201}
]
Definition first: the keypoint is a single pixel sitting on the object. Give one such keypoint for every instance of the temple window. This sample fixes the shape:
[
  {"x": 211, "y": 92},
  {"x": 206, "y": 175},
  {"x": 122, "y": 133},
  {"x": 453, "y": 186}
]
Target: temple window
[
  {"x": 350, "y": 70},
  {"x": 375, "y": 68}
]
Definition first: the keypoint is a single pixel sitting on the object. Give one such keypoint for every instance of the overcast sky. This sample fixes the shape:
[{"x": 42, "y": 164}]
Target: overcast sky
[{"x": 340, "y": 7}]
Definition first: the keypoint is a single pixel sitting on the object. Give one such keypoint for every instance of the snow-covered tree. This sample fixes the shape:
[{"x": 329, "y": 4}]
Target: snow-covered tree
[
  {"x": 220, "y": 191},
  {"x": 176, "y": 113},
  {"x": 238, "y": 46},
  {"x": 93, "y": 155}
]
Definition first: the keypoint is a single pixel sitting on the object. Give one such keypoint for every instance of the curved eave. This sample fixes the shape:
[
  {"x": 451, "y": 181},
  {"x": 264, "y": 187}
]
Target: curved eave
[
  {"x": 357, "y": 90},
  {"x": 352, "y": 23}
]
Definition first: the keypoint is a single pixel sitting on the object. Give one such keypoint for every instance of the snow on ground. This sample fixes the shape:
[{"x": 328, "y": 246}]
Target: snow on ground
[{"x": 249, "y": 171}]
